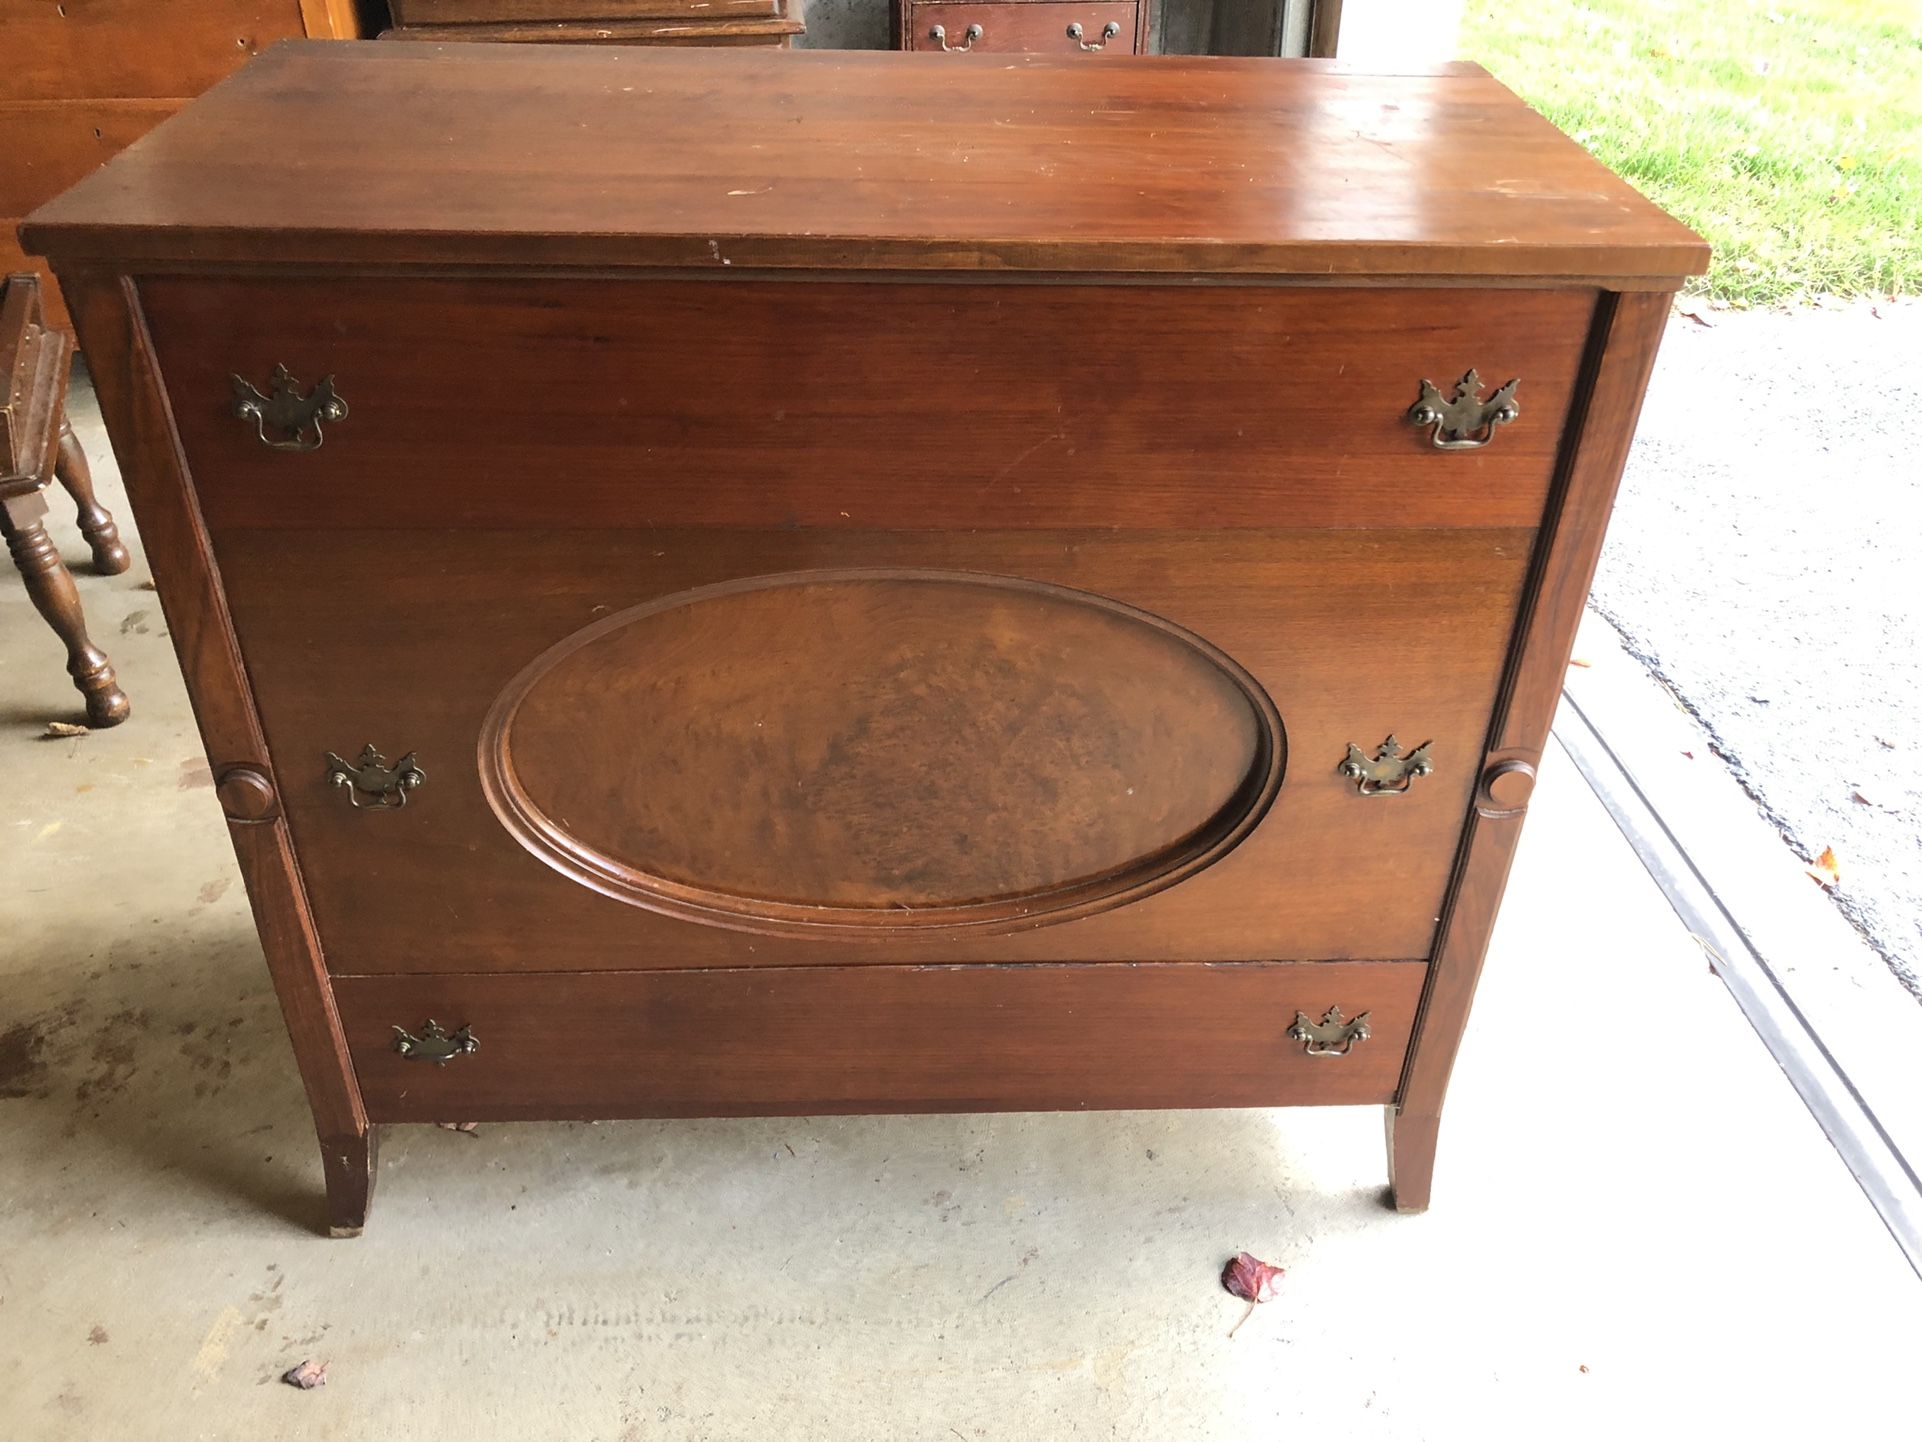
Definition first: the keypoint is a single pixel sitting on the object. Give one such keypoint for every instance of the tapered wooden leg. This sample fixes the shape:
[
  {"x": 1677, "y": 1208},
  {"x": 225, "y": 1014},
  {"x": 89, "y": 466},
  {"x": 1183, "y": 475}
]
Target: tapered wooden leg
[
  {"x": 110, "y": 557},
  {"x": 350, "y": 1163},
  {"x": 1411, "y": 1158},
  {"x": 53, "y": 595}
]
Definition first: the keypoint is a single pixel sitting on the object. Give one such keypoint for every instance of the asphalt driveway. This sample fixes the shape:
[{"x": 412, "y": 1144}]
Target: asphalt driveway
[{"x": 1765, "y": 561}]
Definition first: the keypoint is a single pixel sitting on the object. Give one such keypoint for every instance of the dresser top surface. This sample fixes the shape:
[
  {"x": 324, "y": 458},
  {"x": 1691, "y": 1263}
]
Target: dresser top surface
[{"x": 321, "y": 153}]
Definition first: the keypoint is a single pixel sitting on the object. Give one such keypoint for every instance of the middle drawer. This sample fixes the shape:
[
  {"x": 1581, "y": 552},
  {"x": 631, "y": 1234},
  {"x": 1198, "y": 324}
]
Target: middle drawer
[{"x": 1133, "y": 738}]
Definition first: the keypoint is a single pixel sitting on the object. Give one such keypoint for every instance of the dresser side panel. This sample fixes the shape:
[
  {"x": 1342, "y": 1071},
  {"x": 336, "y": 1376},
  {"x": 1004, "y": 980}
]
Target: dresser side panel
[
  {"x": 1627, "y": 334},
  {"x": 106, "y": 310}
]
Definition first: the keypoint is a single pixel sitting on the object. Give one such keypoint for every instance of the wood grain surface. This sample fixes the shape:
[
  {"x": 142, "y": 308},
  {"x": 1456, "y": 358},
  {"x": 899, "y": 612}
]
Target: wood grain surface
[
  {"x": 829, "y": 1040},
  {"x": 862, "y": 160},
  {"x": 853, "y": 406},
  {"x": 875, "y": 749}
]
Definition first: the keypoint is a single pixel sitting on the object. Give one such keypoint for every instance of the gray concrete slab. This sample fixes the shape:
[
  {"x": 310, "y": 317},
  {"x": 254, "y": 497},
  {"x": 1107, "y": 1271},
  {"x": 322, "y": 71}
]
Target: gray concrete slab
[
  {"x": 1765, "y": 560},
  {"x": 1638, "y": 1229}
]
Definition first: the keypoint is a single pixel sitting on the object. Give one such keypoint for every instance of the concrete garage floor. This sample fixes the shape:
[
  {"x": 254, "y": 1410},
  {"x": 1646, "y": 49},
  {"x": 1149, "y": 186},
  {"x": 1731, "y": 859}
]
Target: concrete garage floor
[{"x": 1638, "y": 1229}]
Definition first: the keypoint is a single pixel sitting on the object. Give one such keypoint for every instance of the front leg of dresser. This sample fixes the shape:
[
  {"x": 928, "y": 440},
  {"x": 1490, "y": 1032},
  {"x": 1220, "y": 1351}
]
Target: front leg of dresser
[
  {"x": 350, "y": 1164},
  {"x": 1411, "y": 1158}
]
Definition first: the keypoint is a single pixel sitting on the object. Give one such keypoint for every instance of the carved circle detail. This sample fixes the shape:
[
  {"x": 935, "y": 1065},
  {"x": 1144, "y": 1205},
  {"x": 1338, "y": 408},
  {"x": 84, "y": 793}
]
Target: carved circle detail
[{"x": 872, "y": 752}]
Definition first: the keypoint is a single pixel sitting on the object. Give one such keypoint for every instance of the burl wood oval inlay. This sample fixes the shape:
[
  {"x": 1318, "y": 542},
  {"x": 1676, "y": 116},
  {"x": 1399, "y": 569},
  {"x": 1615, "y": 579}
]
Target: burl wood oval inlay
[{"x": 852, "y": 752}]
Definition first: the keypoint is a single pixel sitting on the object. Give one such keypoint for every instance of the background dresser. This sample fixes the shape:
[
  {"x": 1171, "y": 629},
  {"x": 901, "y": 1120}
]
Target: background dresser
[
  {"x": 775, "y": 23},
  {"x": 1048, "y": 27},
  {"x": 827, "y": 583},
  {"x": 81, "y": 79}
]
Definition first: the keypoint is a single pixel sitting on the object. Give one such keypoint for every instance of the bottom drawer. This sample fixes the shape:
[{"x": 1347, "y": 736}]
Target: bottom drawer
[{"x": 820, "y": 1040}]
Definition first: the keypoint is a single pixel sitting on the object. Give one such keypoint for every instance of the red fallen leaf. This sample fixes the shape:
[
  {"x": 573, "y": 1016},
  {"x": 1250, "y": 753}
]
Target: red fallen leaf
[
  {"x": 307, "y": 1376},
  {"x": 1252, "y": 1280}
]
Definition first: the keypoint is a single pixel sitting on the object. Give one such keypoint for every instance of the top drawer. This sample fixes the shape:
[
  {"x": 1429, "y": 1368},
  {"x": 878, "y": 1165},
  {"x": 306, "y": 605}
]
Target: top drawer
[{"x": 863, "y": 405}]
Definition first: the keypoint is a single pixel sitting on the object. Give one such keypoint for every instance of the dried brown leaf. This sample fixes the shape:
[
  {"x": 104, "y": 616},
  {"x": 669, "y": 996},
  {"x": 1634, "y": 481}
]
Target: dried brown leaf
[
  {"x": 1825, "y": 870},
  {"x": 307, "y": 1376}
]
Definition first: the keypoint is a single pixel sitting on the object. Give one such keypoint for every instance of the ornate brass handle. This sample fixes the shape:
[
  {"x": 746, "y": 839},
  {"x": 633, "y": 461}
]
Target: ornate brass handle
[
  {"x": 385, "y": 787},
  {"x": 939, "y": 35},
  {"x": 1467, "y": 421},
  {"x": 1390, "y": 772},
  {"x": 434, "y": 1044},
  {"x": 288, "y": 413},
  {"x": 1333, "y": 1035},
  {"x": 1108, "y": 32}
]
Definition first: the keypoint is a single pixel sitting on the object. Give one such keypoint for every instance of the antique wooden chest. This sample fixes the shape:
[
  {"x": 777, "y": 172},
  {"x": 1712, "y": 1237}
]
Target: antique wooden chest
[{"x": 731, "y": 583}]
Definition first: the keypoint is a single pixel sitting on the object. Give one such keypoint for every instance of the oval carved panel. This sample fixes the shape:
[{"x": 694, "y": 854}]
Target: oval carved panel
[{"x": 853, "y": 752}]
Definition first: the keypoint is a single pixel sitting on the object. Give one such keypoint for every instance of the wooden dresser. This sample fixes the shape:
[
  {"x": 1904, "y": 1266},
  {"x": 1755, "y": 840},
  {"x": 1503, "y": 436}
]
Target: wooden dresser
[
  {"x": 81, "y": 79},
  {"x": 724, "y": 584}
]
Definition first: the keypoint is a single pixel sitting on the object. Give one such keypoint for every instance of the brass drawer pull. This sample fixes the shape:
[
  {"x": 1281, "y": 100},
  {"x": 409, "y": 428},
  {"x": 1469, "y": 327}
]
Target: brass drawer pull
[
  {"x": 434, "y": 1044},
  {"x": 385, "y": 786},
  {"x": 1390, "y": 773},
  {"x": 1332, "y": 1035},
  {"x": 939, "y": 35},
  {"x": 1467, "y": 421},
  {"x": 288, "y": 413},
  {"x": 1108, "y": 32}
]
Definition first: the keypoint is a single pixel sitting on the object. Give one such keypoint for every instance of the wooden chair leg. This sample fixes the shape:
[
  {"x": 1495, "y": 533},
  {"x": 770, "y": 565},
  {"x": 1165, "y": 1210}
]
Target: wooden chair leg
[
  {"x": 110, "y": 557},
  {"x": 1411, "y": 1158},
  {"x": 351, "y": 1164},
  {"x": 54, "y": 596}
]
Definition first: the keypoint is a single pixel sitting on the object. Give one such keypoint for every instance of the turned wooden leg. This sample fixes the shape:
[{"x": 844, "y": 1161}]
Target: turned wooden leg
[
  {"x": 350, "y": 1163},
  {"x": 53, "y": 594},
  {"x": 1411, "y": 1158},
  {"x": 110, "y": 557}
]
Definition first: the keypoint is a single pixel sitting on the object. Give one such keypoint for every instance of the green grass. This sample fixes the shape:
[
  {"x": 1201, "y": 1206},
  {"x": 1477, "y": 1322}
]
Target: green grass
[{"x": 1790, "y": 136}]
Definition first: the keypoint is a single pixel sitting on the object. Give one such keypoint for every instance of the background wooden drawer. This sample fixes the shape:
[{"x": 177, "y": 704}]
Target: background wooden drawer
[
  {"x": 482, "y": 12},
  {"x": 825, "y": 1040},
  {"x": 105, "y": 49},
  {"x": 1040, "y": 27},
  {"x": 843, "y": 405}
]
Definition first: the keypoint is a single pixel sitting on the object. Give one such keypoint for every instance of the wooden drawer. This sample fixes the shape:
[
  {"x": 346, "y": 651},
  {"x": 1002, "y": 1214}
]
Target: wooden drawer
[
  {"x": 132, "y": 48},
  {"x": 849, "y": 406},
  {"x": 1021, "y": 725},
  {"x": 482, "y": 12},
  {"x": 1042, "y": 27},
  {"x": 48, "y": 146},
  {"x": 826, "y": 1040}
]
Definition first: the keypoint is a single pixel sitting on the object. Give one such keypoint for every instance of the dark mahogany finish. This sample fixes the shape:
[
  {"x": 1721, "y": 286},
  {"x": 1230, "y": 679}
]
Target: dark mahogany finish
[{"x": 871, "y": 615}]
